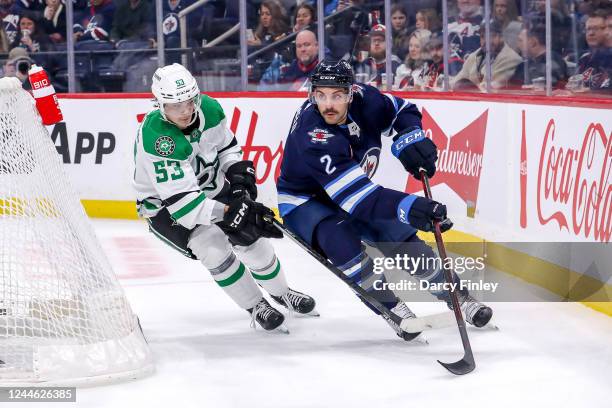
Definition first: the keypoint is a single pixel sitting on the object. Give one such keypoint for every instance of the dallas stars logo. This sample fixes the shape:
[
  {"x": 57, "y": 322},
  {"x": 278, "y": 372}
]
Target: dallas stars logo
[
  {"x": 195, "y": 136},
  {"x": 165, "y": 146}
]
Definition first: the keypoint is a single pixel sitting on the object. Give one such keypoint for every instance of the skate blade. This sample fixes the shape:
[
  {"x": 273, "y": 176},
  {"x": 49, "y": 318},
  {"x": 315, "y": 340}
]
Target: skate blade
[
  {"x": 312, "y": 313},
  {"x": 491, "y": 326},
  {"x": 421, "y": 340},
  {"x": 428, "y": 322},
  {"x": 282, "y": 329}
]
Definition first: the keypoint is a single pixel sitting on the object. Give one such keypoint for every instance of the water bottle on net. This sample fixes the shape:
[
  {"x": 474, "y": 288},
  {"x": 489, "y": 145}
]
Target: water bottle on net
[{"x": 45, "y": 96}]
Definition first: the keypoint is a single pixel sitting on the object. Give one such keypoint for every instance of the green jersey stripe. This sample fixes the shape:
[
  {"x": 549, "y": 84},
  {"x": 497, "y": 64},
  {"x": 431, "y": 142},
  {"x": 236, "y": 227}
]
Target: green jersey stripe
[
  {"x": 233, "y": 278},
  {"x": 150, "y": 206},
  {"x": 190, "y": 206}
]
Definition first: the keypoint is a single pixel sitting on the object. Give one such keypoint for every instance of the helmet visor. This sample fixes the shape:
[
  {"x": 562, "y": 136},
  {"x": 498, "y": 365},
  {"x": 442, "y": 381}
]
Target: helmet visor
[
  {"x": 179, "y": 107},
  {"x": 336, "y": 97}
]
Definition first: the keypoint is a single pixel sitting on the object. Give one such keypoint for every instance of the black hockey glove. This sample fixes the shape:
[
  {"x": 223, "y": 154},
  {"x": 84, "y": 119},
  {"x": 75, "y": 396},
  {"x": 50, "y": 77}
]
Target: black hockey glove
[
  {"x": 241, "y": 177},
  {"x": 246, "y": 221},
  {"x": 422, "y": 212},
  {"x": 415, "y": 151}
]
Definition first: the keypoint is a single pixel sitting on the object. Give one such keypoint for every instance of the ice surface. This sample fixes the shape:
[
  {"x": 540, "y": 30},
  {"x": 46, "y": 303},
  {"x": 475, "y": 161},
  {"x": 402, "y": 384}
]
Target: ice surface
[{"x": 545, "y": 355}]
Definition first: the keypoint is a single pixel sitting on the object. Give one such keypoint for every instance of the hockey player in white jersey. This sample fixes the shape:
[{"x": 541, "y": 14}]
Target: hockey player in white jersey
[{"x": 197, "y": 195}]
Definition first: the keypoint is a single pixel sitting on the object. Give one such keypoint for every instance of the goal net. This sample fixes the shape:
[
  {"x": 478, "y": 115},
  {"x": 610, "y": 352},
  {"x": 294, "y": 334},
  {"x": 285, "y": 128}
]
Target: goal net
[{"x": 64, "y": 318}]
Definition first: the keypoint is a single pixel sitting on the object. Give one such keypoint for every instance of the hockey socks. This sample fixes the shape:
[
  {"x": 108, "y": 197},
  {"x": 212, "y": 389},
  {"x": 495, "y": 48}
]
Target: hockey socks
[
  {"x": 233, "y": 277},
  {"x": 264, "y": 266},
  {"x": 360, "y": 270}
]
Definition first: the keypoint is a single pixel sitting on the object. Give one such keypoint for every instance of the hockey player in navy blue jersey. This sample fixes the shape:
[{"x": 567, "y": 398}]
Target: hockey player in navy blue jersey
[{"x": 326, "y": 195}]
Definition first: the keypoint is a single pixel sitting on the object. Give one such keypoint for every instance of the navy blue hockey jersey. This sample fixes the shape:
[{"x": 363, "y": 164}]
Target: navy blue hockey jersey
[{"x": 337, "y": 162}]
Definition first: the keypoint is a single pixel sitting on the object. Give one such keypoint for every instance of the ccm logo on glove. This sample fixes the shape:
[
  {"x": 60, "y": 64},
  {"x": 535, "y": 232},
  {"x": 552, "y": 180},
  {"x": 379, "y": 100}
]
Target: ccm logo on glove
[
  {"x": 415, "y": 151},
  {"x": 406, "y": 139},
  {"x": 237, "y": 221}
]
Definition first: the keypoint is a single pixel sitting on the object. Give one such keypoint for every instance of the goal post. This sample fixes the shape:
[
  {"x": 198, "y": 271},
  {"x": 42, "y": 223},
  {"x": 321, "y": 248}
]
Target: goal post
[{"x": 64, "y": 318}]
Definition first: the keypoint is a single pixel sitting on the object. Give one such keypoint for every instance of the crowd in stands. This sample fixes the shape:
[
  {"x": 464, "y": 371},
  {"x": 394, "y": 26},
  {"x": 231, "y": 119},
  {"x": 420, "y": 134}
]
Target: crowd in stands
[
  {"x": 581, "y": 44},
  {"x": 102, "y": 30},
  {"x": 581, "y": 47},
  {"x": 283, "y": 45}
]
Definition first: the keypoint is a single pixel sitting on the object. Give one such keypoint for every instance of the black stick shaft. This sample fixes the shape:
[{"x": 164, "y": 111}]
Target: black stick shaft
[
  {"x": 361, "y": 292},
  {"x": 467, "y": 347}
]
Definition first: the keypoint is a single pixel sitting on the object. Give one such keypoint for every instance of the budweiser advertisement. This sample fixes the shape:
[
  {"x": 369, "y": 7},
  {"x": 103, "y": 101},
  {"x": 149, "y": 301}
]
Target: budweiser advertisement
[{"x": 459, "y": 158}]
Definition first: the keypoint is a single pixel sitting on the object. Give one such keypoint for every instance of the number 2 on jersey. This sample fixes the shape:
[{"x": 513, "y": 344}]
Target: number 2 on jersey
[
  {"x": 328, "y": 160},
  {"x": 162, "y": 172}
]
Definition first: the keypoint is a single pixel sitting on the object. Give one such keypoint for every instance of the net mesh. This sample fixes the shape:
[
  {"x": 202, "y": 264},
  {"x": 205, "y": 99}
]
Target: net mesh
[{"x": 63, "y": 315}]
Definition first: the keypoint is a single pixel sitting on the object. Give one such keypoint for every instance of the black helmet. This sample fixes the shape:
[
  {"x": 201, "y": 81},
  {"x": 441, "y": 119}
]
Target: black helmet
[{"x": 336, "y": 74}]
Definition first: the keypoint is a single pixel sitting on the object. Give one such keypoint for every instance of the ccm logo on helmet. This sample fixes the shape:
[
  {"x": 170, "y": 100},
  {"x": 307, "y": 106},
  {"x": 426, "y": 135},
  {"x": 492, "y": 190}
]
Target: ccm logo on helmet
[{"x": 327, "y": 77}]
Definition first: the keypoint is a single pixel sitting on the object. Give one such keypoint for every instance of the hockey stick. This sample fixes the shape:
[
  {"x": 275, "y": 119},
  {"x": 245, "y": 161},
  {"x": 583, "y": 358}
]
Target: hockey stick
[
  {"x": 467, "y": 363},
  {"x": 412, "y": 325}
]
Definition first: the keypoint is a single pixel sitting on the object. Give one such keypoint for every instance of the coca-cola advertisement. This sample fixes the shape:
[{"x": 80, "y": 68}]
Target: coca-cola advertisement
[{"x": 566, "y": 174}]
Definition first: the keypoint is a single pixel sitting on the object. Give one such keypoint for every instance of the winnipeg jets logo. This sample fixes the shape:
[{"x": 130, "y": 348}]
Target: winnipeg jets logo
[
  {"x": 164, "y": 145},
  {"x": 369, "y": 162},
  {"x": 358, "y": 89},
  {"x": 320, "y": 136},
  {"x": 170, "y": 24}
]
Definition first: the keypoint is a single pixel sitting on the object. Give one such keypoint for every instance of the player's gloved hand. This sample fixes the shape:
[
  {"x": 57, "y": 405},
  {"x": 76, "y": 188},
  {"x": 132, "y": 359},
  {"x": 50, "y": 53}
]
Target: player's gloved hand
[
  {"x": 241, "y": 176},
  {"x": 415, "y": 151},
  {"x": 246, "y": 221},
  {"x": 422, "y": 212}
]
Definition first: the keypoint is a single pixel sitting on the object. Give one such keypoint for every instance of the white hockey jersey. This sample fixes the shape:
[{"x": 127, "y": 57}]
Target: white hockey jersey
[{"x": 183, "y": 173}]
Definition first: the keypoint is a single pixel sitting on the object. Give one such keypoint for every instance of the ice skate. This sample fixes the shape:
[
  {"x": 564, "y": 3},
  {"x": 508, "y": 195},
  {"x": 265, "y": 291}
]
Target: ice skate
[
  {"x": 402, "y": 310},
  {"x": 475, "y": 313},
  {"x": 297, "y": 302},
  {"x": 267, "y": 317}
]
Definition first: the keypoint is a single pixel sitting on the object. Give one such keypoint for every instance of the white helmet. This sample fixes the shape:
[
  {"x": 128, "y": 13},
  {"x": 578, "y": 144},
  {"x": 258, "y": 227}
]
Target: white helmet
[{"x": 174, "y": 84}]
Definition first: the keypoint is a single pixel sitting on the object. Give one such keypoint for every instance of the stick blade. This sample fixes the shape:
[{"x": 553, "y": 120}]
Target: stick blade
[
  {"x": 428, "y": 322},
  {"x": 461, "y": 367}
]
